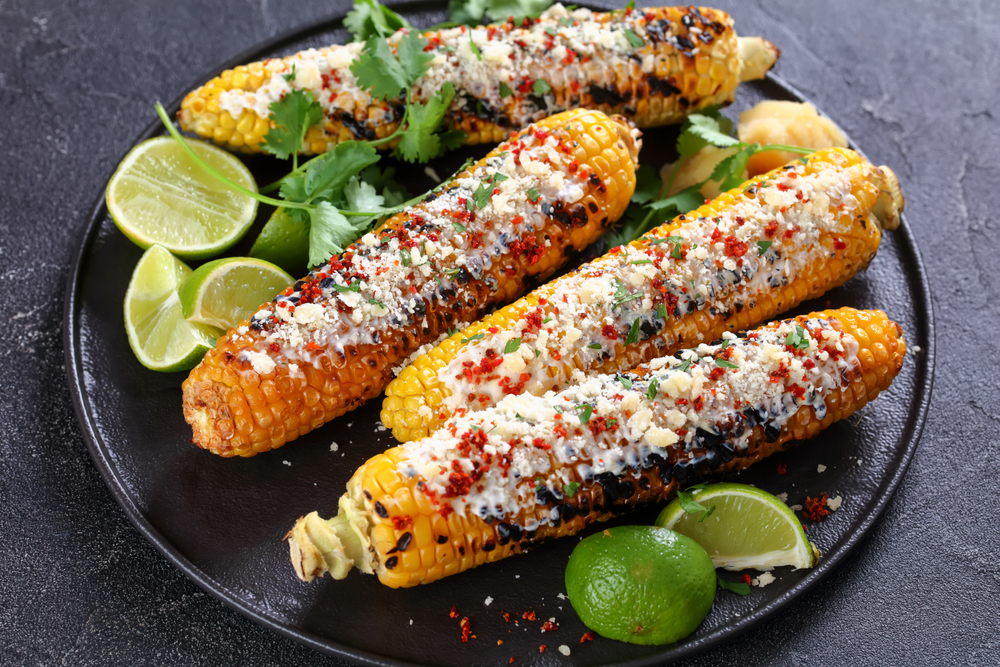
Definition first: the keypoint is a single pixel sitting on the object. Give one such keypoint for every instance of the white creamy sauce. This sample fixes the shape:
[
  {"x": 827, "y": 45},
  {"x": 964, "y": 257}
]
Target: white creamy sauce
[
  {"x": 526, "y": 450},
  {"x": 584, "y": 316},
  {"x": 386, "y": 280}
]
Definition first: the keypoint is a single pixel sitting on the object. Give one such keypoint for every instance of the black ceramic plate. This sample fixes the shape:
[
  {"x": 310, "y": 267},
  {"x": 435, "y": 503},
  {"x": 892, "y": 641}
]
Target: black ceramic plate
[{"x": 221, "y": 521}]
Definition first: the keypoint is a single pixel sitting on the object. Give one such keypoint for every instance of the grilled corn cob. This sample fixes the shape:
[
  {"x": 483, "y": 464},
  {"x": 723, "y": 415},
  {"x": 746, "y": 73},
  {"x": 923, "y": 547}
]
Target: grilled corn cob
[
  {"x": 654, "y": 65},
  {"x": 742, "y": 258},
  {"x": 330, "y": 342},
  {"x": 494, "y": 482}
]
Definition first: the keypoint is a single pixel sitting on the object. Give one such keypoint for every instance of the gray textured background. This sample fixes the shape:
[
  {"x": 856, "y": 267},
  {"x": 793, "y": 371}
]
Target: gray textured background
[{"x": 915, "y": 86}]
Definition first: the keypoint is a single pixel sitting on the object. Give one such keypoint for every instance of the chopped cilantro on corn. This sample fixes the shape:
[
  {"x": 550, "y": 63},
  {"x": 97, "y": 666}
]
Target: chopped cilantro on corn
[
  {"x": 331, "y": 341},
  {"x": 653, "y": 65},
  {"x": 753, "y": 252},
  {"x": 491, "y": 483}
]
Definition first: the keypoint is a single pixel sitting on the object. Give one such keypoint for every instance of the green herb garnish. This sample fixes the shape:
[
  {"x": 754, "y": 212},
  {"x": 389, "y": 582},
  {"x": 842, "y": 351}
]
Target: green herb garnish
[{"x": 739, "y": 588}]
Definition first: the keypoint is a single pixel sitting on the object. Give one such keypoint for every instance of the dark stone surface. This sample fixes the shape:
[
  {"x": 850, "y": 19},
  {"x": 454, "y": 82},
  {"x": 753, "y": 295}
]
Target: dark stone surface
[{"x": 913, "y": 83}]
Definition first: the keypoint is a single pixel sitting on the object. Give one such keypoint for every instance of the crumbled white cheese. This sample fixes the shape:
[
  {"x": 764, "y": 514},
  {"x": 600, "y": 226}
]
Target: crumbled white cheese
[
  {"x": 488, "y": 601},
  {"x": 565, "y": 650},
  {"x": 820, "y": 468},
  {"x": 763, "y": 580},
  {"x": 834, "y": 503}
]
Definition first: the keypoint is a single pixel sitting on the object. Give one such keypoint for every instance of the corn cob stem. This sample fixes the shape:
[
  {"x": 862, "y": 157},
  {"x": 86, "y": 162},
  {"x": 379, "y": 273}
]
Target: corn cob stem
[
  {"x": 654, "y": 65},
  {"x": 332, "y": 340},
  {"x": 492, "y": 483},
  {"x": 756, "y": 251}
]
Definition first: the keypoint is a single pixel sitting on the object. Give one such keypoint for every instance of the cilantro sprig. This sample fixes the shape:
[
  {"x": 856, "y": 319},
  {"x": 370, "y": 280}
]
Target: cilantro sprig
[
  {"x": 336, "y": 196},
  {"x": 472, "y": 12},
  {"x": 650, "y": 208},
  {"x": 692, "y": 506},
  {"x": 738, "y": 587},
  {"x": 370, "y": 17}
]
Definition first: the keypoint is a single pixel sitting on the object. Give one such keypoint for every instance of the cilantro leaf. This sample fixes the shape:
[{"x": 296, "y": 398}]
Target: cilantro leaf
[
  {"x": 651, "y": 390},
  {"x": 378, "y": 70},
  {"x": 293, "y": 188},
  {"x": 661, "y": 311},
  {"x": 505, "y": 91},
  {"x": 709, "y": 129},
  {"x": 729, "y": 172},
  {"x": 634, "y": 39},
  {"x": 762, "y": 247},
  {"x": 739, "y": 588},
  {"x": 418, "y": 142},
  {"x": 722, "y": 363},
  {"x": 685, "y": 366},
  {"x": 570, "y": 488},
  {"x": 588, "y": 410},
  {"x": 361, "y": 196},
  {"x": 541, "y": 87},
  {"x": 474, "y": 48},
  {"x": 647, "y": 184},
  {"x": 633, "y": 332},
  {"x": 689, "y": 504},
  {"x": 293, "y": 115},
  {"x": 370, "y": 18},
  {"x": 625, "y": 382},
  {"x": 327, "y": 174},
  {"x": 500, "y": 10},
  {"x": 329, "y": 233},
  {"x": 513, "y": 345},
  {"x": 686, "y": 200},
  {"x": 469, "y": 12},
  {"x": 412, "y": 58},
  {"x": 797, "y": 338}
]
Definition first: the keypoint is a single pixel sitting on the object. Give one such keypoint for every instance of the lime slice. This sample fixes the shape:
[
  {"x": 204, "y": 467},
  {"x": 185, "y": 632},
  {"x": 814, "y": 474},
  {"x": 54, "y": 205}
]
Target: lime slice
[
  {"x": 748, "y": 529},
  {"x": 283, "y": 242},
  {"x": 640, "y": 584},
  {"x": 225, "y": 292},
  {"x": 159, "y": 194},
  {"x": 157, "y": 331}
]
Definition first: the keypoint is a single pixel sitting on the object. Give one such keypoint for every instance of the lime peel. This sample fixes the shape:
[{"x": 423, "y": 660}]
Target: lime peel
[
  {"x": 161, "y": 195},
  {"x": 157, "y": 332},
  {"x": 227, "y": 291},
  {"x": 750, "y": 529}
]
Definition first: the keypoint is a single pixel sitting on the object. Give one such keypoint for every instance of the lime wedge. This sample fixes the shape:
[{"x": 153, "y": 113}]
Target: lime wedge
[
  {"x": 159, "y": 194},
  {"x": 748, "y": 529},
  {"x": 225, "y": 292},
  {"x": 157, "y": 331},
  {"x": 283, "y": 242}
]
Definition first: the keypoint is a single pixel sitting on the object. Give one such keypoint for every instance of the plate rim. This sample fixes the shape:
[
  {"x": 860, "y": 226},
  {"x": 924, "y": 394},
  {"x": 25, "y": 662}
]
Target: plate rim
[{"x": 100, "y": 454}]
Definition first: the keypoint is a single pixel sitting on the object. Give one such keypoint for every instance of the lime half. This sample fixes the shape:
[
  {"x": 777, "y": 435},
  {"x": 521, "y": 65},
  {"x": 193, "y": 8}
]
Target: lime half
[
  {"x": 640, "y": 584},
  {"x": 748, "y": 529},
  {"x": 159, "y": 194},
  {"x": 283, "y": 242},
  {"x": 157, "y": 331},
  {"x": 225, "y": 292}
]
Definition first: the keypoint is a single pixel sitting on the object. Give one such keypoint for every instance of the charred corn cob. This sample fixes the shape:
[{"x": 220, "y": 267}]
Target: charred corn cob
[
  {"x": 742, "y": 258},
  {"x": 494, "y": 482},
  {"x": 654, "y": 65},
  {"x": 330, "y": 342}
]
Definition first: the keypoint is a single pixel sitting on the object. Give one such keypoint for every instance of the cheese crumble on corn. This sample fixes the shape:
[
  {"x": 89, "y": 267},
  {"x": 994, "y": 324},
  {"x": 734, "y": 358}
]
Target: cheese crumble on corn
[
  {"x": 654, "y": 65},
  {"x": 756, "y": 251},
  {"x": 491, "y": 483},
  {"x": 331, "y": 341}
]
